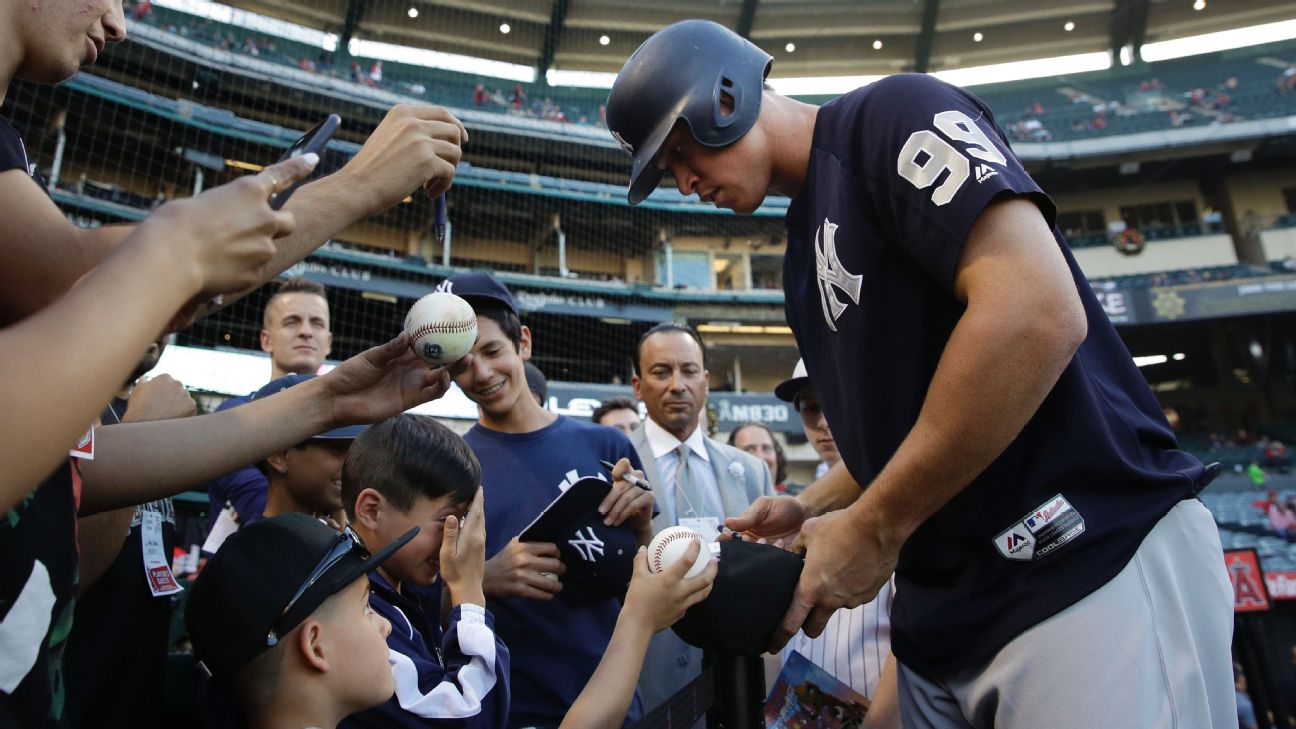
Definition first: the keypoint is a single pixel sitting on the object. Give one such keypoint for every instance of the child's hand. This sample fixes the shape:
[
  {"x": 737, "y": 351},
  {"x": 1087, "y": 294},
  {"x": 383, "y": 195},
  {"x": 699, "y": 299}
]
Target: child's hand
[
  {"x": 659, "y": 599},
  {"x": 463, "y": 555}
]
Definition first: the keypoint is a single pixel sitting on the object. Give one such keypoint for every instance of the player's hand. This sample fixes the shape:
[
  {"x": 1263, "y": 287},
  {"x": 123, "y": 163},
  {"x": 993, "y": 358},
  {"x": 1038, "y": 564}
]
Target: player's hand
[
  {"x": 223, "y": 238},
  {"x": 463, "y": 555},
  {"x": 382, "y": 382},
  {"x": 414, "y": 146},
  {"x": 524, "y": 569},
  {"x": 660, "y": 599},
  {"x": 627, "y": 503},
  {"x": 847, "y": 559},
  {"x": 159, "y": 398},
  {"x": 769, "y": 518}
]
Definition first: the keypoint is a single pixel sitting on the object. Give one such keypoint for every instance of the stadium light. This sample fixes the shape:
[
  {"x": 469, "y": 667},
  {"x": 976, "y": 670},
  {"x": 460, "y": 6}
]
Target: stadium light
[
  {"x": 1199, "y": 5},
  {"x": 790, "y": 48},
  {"x": 1152, "y": 359},
  {"x": 1220, "y": 41},
  {"x": 504, "y": 28},
  {"x": 1069, "y": 26},
  {"x": 977, "y": 37},
  {"x": 604, "y": 40},
  {"x": 877, "y": 45},
  {"x": 413, "y": 12}
]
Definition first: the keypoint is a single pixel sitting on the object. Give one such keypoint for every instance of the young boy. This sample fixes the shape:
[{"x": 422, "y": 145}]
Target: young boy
[
  {"x": 411, "y": 471},
  {"x": 281, "y": 617},
  {"x": 557, "y": 635},
  {"x": 305, "y": 648}
]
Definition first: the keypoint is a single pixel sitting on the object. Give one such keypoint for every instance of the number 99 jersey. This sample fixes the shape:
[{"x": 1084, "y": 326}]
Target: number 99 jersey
[{"x": 899, "y": 172}]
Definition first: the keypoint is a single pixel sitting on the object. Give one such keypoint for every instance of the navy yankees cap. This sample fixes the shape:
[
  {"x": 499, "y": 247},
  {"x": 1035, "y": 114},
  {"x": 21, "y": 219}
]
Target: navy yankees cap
[
  {"x": 266, "y": 579},
  {"x": 599, "y": 558},
  {"x": 478, "y": 286},
  {"x": 752, "y": 591},
  {"x": 346, "y": 432}
]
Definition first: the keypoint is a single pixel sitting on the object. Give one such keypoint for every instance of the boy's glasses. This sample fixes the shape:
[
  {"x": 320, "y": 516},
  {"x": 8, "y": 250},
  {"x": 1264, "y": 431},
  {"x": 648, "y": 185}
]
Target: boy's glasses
[{"x": 347, "y": 542}]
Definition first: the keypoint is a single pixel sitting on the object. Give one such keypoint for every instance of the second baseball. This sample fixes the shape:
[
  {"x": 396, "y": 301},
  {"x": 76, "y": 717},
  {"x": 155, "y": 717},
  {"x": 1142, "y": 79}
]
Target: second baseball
[
  {"x": 669, "y": 545},
  {"x": 442, "y": 328}
]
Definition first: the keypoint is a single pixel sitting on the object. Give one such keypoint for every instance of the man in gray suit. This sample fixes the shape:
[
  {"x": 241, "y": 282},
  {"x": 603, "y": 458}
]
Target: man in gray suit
[{"x": 697, "y": 481}]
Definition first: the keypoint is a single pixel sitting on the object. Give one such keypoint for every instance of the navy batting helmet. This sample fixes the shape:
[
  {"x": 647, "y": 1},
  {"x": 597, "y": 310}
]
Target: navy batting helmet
[{"x": 680, "y": 72}]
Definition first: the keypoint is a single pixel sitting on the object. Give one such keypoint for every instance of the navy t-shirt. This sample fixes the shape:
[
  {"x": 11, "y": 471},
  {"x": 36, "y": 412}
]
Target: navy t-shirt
[
  {"x": 899, "y": 171},
  {"x": 245, "y": 488},
  {"x": 555, "y": 645},
  {"x": 13, "y": 155}
]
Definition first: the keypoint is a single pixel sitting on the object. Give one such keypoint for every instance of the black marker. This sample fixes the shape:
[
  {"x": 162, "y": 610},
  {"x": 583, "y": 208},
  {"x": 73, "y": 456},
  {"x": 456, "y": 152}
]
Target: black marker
[{"x": 629, "y": 476}]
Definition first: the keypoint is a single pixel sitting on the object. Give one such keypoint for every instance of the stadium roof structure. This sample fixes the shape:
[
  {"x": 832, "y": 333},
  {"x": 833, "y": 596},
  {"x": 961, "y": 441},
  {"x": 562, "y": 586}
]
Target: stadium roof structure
[{"x": 808, "y": 38}]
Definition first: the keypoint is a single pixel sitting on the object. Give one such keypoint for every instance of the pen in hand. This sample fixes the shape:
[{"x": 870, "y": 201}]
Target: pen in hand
[{"x": 628, "y": 477}]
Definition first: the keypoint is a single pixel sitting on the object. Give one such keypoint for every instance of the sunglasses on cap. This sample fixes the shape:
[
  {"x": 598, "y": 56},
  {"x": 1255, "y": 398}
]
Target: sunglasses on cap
[{"x": 347, "y": 542}]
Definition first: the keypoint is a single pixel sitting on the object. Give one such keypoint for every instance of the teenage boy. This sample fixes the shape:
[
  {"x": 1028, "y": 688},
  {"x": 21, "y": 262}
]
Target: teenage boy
[
  {"x": 411, "y": 471},
  {"x": 529, "y": 456}
]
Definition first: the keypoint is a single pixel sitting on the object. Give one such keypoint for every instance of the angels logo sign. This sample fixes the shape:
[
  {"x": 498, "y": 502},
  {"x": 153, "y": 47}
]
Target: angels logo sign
[{"x": 1249, "y": 590}]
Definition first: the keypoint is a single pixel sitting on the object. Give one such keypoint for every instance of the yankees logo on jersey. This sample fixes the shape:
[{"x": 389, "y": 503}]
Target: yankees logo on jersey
[{"x": 833, "y": 276}]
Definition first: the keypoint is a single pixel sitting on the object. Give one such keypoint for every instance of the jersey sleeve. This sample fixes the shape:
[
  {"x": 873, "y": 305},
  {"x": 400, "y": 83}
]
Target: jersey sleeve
[
  {"x": 934, "y": 159},
  {"x": 13, "y": 155},
  {"x": 471, "y": 686}
]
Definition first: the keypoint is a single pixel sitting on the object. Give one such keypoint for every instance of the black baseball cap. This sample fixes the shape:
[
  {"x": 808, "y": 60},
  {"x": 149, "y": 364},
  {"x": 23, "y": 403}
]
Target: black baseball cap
[
  {"x": 279, "y": 384},
  {"x": 788, "y": 389},
  {"x": 752, "y": 591},
  {"x": 536, "y": 383},
  {"x": 265, "y": 580},
  {"x": 478, "y": 286},
  {"x": 599, "y": 558}
]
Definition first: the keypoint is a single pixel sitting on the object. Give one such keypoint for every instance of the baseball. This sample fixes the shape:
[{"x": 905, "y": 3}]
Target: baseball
[
  {"x": 669, "y": 546},
  {"x": 442, "y": 328}
]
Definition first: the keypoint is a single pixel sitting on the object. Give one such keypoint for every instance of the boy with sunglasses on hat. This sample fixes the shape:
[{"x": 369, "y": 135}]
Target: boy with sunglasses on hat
[{"x": 281, "y": 617}]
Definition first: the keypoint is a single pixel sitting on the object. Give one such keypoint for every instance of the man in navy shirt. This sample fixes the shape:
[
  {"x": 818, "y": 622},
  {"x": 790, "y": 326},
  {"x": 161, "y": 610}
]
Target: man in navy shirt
[
  {"x": 528, "y": 457},
  {"x": 1021, "y": 480}
]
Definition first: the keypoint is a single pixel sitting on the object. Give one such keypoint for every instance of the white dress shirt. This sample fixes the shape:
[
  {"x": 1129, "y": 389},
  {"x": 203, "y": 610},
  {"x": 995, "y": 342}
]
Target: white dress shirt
[{"x": 665, "y": 452}]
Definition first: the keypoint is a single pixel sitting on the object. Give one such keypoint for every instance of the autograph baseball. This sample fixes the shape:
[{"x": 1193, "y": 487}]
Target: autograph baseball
[
  {"x": 442, "y": 328},
  {"x": 669, "y": 545}
]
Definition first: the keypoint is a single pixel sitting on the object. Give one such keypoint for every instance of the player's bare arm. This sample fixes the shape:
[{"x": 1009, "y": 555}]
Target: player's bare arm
[{"x": 1023, "y": 323}]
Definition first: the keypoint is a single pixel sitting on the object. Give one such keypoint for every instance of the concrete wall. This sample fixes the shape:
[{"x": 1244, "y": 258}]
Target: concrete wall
[
  {"x": 1278, "y": 244},
  {"x": 1168, "y": 255}
]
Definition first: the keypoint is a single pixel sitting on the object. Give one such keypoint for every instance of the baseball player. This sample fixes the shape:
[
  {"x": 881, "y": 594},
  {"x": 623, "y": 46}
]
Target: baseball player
[{"x": 1023, "y": 483}]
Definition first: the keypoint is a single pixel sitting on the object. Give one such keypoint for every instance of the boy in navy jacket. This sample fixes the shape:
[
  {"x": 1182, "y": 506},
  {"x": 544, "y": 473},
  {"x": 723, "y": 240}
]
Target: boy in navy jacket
[{"x": 412, "y": 471}]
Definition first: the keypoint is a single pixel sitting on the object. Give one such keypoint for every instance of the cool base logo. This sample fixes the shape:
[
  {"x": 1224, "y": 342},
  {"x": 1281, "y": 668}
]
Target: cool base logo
[{"x": 1039, "y": 533}]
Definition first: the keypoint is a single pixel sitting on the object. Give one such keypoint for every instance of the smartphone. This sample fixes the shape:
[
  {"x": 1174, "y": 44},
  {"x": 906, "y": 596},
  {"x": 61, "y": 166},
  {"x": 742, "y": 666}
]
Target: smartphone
[{"x": 312, "y": 141}]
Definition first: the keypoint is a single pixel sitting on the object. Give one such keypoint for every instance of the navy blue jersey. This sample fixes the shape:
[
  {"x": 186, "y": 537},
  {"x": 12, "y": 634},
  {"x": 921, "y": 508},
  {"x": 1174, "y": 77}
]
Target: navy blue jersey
[
  {"x": 555, "y": 645},
  {"x": 899, "y": 172}
]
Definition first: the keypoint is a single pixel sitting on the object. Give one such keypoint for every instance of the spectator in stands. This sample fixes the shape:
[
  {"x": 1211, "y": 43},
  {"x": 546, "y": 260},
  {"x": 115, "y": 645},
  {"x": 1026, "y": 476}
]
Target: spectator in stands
[
  {"x": 699, "y": 481},
  {"x": 758, "y": 440},
  {"x": 142, "y": 9},
  {"x": 125, "y": 586},
  {"x": 1275, "y": 456},
  {"x": 479, "y": 95},
  {"x": 295, "y": 333},
  {"x": 621, "y": 413},
  {"x": 1245, "y": 709},
  {"x": 412, "y": 472},
  {"x": 1256, "y": 474},
  {"x": 537, "y": 384},
  {"x": 1282, "y": 520},
  {"x": 529, "y": 456},
  {"x": 1286, "y": 81},
  {"x": 855, "y": 645},
  {"x": 376, "y": 74},
  {"x": 518, "y": 99}
]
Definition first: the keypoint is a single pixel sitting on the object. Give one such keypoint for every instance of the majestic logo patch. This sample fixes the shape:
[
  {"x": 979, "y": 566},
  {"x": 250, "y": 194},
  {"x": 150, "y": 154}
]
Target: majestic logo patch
[
  {"x": 1046, "y": 528},
  {"x": 587, "y": 545},
  {"x": 833, "y": 276}
]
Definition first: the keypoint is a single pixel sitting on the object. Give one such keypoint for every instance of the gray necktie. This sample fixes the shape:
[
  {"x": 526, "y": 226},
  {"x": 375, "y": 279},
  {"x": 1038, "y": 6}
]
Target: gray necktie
[{"x": 687, "y": 500}]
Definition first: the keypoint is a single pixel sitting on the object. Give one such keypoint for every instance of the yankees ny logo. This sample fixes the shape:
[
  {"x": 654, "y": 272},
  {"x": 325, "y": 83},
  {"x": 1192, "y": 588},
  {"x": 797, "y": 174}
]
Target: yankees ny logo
[
  {"x": 629, "y": 149},
  {"x": 445, "y": 287},
  {"x": 832, "y": 275},
  {"x": 587, "y": 546}
]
